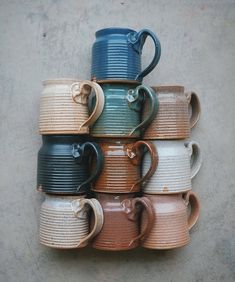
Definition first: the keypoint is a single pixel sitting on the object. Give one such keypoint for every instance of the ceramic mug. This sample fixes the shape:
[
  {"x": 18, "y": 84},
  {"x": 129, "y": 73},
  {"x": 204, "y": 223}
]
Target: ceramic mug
[
  {"x": 172, "y": 220},
  {"x": 121, "y": 116},
  {"x": 121, "y": 172},
  {"x": 179, "y": 161},
  {"x": 64, "y": 164},
  {"x": 64, "y": 109},
  {"x": 120, "y": 230},
  {"x": 178, "y": 112},
  {"x": 116, "y": 54},
  {"x": 64, "y": 221}
]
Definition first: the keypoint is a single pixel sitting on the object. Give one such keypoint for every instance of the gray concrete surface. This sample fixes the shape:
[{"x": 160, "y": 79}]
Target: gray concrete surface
[{"x": 47, "y": 39}]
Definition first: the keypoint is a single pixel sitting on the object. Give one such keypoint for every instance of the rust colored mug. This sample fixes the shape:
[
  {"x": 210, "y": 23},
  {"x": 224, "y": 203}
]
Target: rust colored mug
[
  {"x": 172, "y": 222},
  {"x": 178, "y": 112},
  {"x": 122, "y": 172},
  {"x": 120, "y": 230},
  {"x": 64, "y": 106}
]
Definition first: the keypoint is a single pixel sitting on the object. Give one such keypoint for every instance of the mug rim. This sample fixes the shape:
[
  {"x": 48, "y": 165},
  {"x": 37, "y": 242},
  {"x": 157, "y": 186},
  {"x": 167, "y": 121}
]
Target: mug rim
[
  {"x": 109, "y": 30},
  {"x": 62, "y": 80},
  {"x": 168, "y": 88}
]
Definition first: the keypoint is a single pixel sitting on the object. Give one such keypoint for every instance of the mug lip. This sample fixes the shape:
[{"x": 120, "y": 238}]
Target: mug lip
[
  {"x": 117, "y": 81},
  {"x": 60, "y": 80},
  {"x": 75, "y": 138},
  {"x": 110, "y": 30},
  {"x": 117, "y": 141},
  {"x": 65, "y": 197},
  {"x": 168, "y": 88}
]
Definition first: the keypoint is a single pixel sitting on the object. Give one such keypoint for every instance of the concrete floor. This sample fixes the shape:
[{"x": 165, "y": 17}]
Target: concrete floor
[{"x": 47, "y": 39}]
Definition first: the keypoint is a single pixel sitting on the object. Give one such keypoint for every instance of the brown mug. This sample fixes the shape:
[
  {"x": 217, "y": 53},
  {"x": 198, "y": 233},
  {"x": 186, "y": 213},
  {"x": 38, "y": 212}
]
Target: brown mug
[
  {"x": 178, "y": 112},
  {"x": 121, "y": 230},
  {"x": 121, "y": 171},
  {"x": 172, "y": 220}
]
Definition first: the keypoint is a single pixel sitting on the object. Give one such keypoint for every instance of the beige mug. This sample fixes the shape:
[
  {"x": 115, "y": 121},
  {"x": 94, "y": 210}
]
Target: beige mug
[
  {"x": 64, "y": 221},
  {"x": 64, "y": 106}
]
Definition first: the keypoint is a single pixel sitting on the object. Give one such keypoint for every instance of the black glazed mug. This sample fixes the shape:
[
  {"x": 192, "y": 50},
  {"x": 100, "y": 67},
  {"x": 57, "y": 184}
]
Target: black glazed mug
[{"x": 64, "y": 163}]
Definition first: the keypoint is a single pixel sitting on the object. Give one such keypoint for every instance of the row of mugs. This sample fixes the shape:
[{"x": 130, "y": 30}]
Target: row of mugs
[
  {"x": 71, "y": 165},
  {"x": 118, "y": 221},
  {"x": 162, "y": 112}
]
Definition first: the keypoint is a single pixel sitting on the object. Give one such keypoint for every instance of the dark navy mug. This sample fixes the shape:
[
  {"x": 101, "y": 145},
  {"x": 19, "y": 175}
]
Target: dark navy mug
[
  {"x": 116, "y": 54},
  {"x": 64, "y": 163}
]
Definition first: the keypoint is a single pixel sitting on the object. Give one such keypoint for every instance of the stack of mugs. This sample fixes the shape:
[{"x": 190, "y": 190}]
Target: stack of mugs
[{"x": 115, "y": 164}]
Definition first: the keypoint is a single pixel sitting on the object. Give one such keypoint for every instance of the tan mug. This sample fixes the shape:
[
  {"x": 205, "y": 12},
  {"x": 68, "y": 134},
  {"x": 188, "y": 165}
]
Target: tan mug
[
  {"x": 178, "y": 112},
  {"x": 173, "y": 220},
  {"x": 121, "y": 230},
  {"x": 64, "y": 221},
  {"x": 64, "y": 106}
]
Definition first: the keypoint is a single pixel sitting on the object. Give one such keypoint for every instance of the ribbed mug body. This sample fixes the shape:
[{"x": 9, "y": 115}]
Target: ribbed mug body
[{"x": 59, "y": 226}]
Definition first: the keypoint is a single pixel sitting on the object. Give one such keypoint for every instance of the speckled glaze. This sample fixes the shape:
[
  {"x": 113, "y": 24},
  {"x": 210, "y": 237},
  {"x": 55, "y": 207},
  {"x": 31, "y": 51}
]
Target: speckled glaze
[
  {"x": 120, "y": 230},
  {"x": 178, "y": 112},
  {"x": 116, "y": 54},
  {"x": 64, "y": 109},
  {"x": 64, "y": 164},
  {"x": 121, "y": 172},
  {"x": 121, "y": 116},
  {"x": 179, "y": 161},
  {"x": 64, "y": 221},
  {"x": 172, "y": 222}
]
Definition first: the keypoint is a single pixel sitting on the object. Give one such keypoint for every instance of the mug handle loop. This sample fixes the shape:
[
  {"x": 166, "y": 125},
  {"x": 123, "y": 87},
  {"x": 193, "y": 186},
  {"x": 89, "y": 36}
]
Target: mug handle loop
[
  {"x": 137, "y": 39},
  {"x": 153, "y": 102},
  {"x": 135, "y": 155},
  {"x": 98, "y": 215},
  {"x": 99, "y": 162},
  {"x": 194, "y": 108},
  {"x": 195, "y": 156},
  {"x": 192, "y": 199},
  {"x": 80, "y": 92},
  {"x": 146, "y": 203}
]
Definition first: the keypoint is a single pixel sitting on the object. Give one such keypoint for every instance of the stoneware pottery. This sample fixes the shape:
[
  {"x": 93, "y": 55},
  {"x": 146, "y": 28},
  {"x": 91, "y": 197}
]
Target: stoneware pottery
[
  {"x": 173, "y": 220},
  {"x": 64, "y": 221},
  {"x": 179, "y": 161},
  {"x": 121, "y": 116},
  {"x": 64, "y": 109},
  {"x": 116, "y": 54},
  {"x": 178, "y": 112},
  {"x": 64, "y": 164},
  {"x": 120, "y": 230},
  {"x": 121, "y": 172}
]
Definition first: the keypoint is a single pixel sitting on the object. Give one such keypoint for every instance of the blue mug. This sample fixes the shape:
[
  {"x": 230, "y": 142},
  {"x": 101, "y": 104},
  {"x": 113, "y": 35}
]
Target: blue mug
[{"x": 116, "y": 54}]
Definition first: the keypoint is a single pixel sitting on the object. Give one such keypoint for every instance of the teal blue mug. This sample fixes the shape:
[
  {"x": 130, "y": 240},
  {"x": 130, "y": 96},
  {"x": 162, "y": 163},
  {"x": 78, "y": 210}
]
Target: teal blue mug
[{"x": 121, "y": 116}]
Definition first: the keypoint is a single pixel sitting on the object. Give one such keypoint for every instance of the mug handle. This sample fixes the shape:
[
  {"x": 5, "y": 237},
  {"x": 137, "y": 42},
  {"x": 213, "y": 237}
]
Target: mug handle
[
  {"x": 131, "y": 213},
  {"x": 78, "y": 207},
  {"x": 135, "y": 155},
  {"x": 137, "y": 39},
  {"x": 79, "y": 153},
  {"x": 80, "y": 92},
  {"x": 134, "y": 95},
  {"x": 195, "y": 108},
  {"x": 195, "y": 157},
  {"x": 192, "y": 199}
]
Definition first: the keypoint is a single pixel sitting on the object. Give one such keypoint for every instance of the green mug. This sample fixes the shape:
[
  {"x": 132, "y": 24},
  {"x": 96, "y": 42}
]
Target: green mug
[{"x": 121, "y": 116}]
